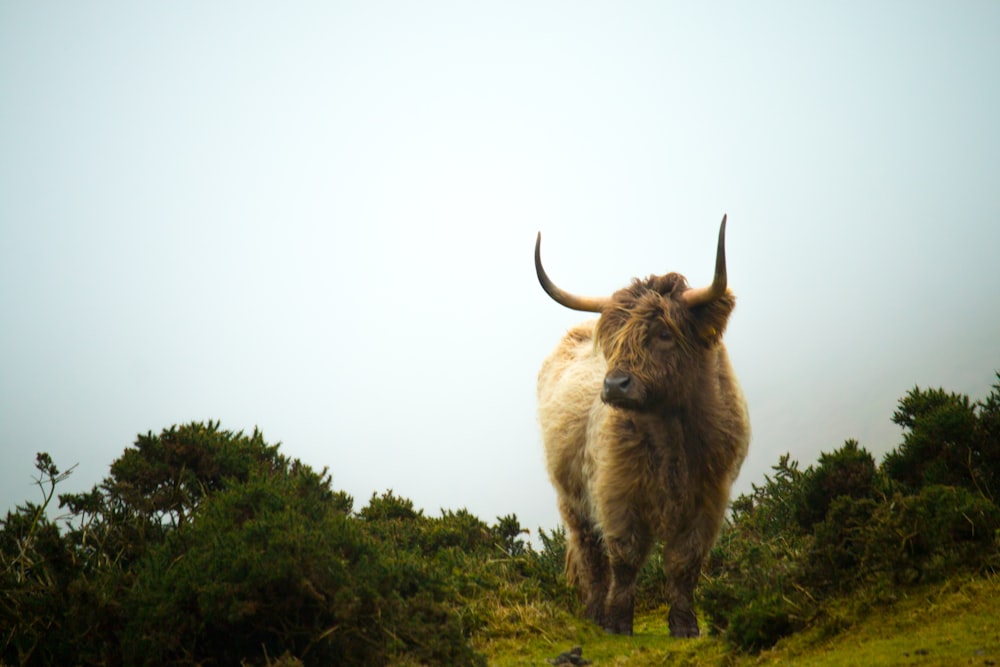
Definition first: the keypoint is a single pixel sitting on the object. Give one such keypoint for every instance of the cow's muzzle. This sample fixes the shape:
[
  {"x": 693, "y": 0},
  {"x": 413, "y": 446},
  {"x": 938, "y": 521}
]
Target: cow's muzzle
[{"x": 621, "y": 390}]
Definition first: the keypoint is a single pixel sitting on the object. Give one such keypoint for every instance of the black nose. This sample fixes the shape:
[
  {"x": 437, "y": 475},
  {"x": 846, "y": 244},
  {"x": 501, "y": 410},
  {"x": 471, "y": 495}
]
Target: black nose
[{"x": 616, "y": 385}]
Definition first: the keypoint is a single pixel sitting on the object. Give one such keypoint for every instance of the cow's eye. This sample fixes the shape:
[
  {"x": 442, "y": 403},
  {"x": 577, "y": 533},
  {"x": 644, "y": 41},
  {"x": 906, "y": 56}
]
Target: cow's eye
[{"x": 664, "y": 335}]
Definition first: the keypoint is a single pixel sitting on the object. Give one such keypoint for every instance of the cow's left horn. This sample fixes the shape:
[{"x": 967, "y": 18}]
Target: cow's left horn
[
  {"x": 702, "y": 295},
  {"x": 589, "y": 304}
]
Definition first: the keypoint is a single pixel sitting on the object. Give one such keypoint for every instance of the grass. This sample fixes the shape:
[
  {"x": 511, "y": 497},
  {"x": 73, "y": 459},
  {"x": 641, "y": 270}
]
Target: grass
[{"x": 955, "y": 623}]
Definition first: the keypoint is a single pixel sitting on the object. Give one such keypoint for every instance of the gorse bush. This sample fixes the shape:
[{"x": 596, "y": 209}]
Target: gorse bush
[
  {"x": 847, "y": 472},
  {"x": 210, "y": 547},
  {"x": 258, "y": 553},
  {"x": 751, "y": 589},
  {"x": 948, "y": 440},
  {"x": 36, "y": 573},
  {"x": 847, "y": 526}
]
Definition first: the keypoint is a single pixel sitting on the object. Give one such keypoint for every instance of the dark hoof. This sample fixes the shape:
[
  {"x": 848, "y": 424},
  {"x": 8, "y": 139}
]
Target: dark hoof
[
  {"x": 619, "y": 627},
  {"x": 618, "y": 621},
  {"x": 595, "y": 613},
  {"x": 685, "y": 633},
  {"x": 683, "y": 624}
]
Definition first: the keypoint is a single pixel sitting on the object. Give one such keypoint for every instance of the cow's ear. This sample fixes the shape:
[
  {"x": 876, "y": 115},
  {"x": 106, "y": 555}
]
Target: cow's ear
[{"x": 710, "y": 319}]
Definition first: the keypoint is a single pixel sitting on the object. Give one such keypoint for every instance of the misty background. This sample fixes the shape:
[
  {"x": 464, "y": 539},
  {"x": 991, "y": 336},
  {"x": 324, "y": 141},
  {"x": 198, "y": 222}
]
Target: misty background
[{"x": 318, "y": 218}]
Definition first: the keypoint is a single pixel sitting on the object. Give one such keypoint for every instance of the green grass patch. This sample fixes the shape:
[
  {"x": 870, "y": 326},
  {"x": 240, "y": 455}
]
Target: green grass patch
[{"x": 954, "y": 623}]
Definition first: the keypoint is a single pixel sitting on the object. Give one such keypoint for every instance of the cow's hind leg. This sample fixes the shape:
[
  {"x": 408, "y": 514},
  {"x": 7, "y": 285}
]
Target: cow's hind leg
[{"x": 587, "y": 563}]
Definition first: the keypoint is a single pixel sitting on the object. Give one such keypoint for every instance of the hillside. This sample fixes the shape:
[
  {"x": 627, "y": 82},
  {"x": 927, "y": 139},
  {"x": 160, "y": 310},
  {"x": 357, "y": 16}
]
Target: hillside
[{"x": 952, "y": 623}]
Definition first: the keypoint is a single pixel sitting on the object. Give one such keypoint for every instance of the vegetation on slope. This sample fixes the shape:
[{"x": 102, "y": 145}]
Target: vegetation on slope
[
  {"x": 947, "y": 623},
  {"x": 847, "y": 526},
  {"x": 205, "y": 546}
]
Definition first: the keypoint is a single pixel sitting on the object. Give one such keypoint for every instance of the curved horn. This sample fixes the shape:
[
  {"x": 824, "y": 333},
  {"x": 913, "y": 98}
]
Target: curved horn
[
  {"x": 588, "y": 304},
  {"x": 699, "y": 296}
]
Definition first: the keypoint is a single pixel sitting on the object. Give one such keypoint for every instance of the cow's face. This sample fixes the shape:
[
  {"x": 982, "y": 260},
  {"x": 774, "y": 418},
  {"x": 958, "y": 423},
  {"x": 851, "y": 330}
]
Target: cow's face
[
  {"x": 654, "y": 334},
  {"x": 655, "y": 344}
]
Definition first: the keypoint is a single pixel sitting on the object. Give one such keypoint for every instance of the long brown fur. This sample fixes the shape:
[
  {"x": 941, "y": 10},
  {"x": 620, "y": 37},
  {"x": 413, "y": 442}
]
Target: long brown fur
[{"x": 655, "y": 467}]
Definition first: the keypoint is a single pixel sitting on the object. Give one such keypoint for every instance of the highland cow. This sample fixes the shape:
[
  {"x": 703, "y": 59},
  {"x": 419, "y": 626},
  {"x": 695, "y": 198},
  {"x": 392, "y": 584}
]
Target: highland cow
[{"x": 645, "y": 429}]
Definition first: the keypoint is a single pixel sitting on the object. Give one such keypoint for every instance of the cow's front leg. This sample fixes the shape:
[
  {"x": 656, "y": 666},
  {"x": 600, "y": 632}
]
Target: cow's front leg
[
  {"x": 680, "y": 594},
  {"x": 626, "y": 558},
  {"x": 682, "y": 562},
  {"x": 620, "y": 607}
]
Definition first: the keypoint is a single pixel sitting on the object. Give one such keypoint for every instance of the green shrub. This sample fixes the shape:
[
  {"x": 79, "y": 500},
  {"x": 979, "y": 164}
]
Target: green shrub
[
  {"x": 165, "y": 476},
  {"x": 389, "y": 507},
  {"x": 947, "y": 440},
  {"x": 546, "y": 567},
  {"x": 838, "y": 558},
  {"x": 37, "y": 568},
  {"x": 751, "y": 575},
  {"x": 749, "y": 589},
  {"x": 268, "y": 569},
  {"x": 207, "y": 546},
  {"x": 926, "y": 536},
  {"x": 761, "y": 622},
  {"x": 849, "y": 471}
]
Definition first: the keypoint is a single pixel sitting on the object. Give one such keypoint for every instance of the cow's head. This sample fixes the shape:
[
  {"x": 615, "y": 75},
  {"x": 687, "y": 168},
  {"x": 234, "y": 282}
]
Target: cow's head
[{"x": 655, "y": 334}]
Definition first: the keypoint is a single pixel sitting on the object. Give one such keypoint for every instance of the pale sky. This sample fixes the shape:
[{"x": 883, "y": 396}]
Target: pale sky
[{"x": 319, "y": 218}]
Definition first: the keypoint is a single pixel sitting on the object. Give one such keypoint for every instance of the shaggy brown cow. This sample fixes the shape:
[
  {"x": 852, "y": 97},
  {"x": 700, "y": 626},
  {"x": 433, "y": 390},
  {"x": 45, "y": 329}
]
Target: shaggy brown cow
[{"x": 645, "y": 430}]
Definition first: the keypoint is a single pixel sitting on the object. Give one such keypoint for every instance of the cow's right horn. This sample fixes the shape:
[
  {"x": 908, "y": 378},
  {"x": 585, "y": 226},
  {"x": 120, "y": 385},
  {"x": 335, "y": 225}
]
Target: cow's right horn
[{"x": 588, "y": 304}]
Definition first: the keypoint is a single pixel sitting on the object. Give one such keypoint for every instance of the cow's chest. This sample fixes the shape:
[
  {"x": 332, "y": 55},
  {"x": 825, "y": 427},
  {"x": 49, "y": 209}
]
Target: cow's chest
[{"x": 656, "y": 484}]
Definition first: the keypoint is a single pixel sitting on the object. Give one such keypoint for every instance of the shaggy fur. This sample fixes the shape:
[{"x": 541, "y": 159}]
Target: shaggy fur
[{"x": 654, "y": 462}]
